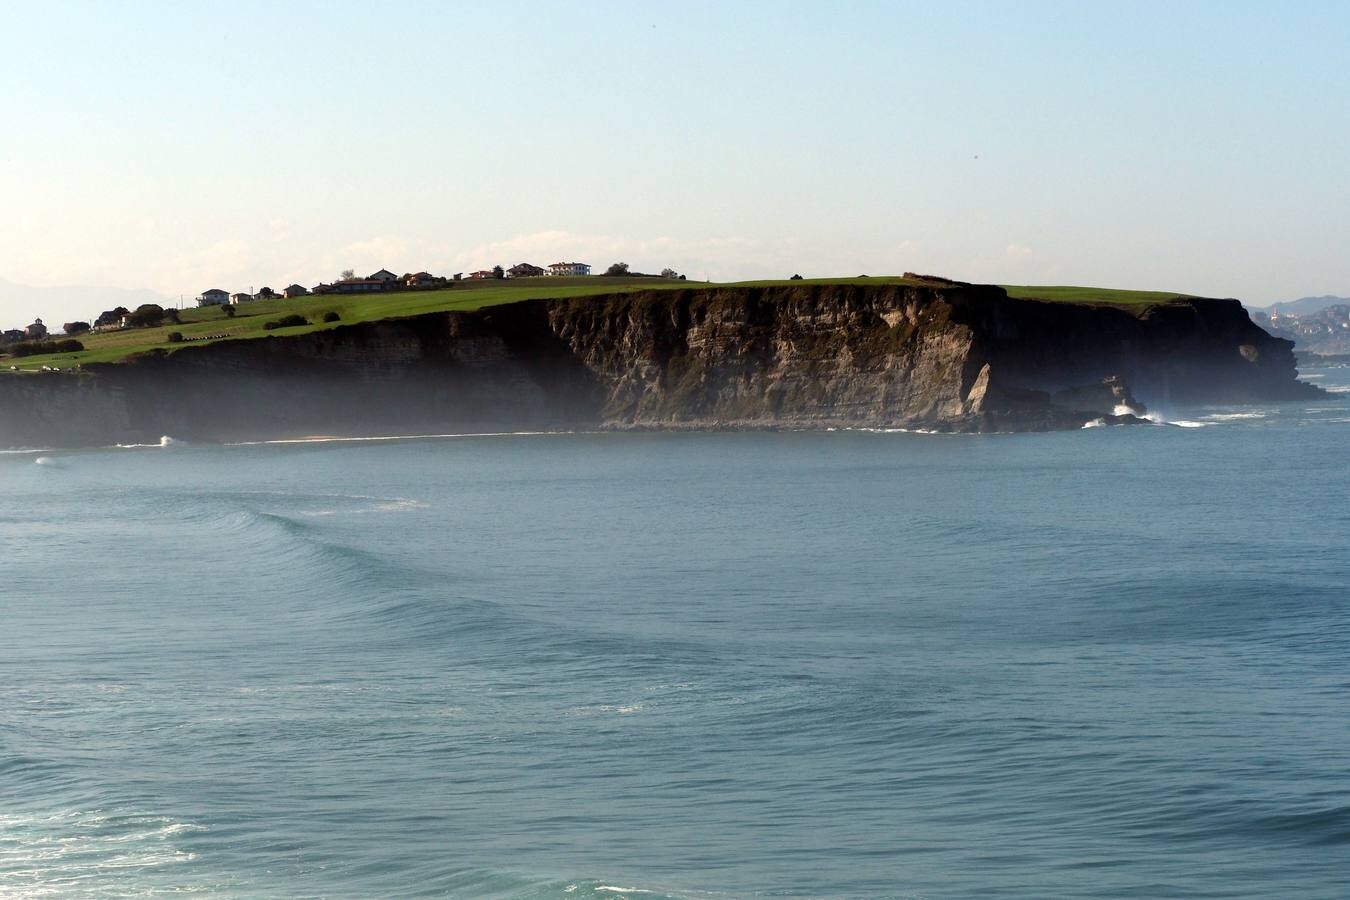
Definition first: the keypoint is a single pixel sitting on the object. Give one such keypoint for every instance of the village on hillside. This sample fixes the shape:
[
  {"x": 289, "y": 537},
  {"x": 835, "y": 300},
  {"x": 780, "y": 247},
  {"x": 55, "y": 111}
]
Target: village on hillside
[{"x": 35, "y": 336}]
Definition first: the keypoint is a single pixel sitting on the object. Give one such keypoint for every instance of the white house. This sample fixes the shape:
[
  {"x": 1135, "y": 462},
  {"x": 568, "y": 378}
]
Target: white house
[
  {"x": 213, "y": 297},
  {"x": 236, "y": 299},
  {"x": 569, "y": 268}
]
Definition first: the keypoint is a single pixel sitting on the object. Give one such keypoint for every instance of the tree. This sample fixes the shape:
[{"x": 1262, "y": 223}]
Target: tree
[
  {"x": 111, "y": 316},
  {"x": 266, "y": 294},
  {"x": 228, "y": 311},
  {"x": 75, "y": 327},
  {"x": 498, "y": 272},
  {"x": 619, "y": 268},
  {"x": 348, "y": 273},
  {"x": 669, "y": 273},
  {"x": 795, "y": 278},
  {"x": 146, "y": 315}
]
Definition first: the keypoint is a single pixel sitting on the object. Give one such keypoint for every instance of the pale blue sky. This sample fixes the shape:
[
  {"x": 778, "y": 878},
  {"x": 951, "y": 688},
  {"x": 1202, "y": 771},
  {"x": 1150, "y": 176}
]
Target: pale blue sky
[{"x": 1201, "y": 147}]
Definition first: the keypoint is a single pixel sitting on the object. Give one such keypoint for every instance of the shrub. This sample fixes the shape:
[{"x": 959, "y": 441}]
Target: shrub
[
  {"x": 175, "y": 337},
  {"x": 228, "y": 311},
  {"x": 34, "y": 348},
  {"x": 331, "y": 316},
  {"x": 285, "y": 322}
]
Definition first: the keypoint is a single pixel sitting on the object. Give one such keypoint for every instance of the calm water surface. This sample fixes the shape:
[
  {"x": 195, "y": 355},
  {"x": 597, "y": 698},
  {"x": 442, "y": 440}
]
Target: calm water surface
[{"x": 1107, "y": 663}]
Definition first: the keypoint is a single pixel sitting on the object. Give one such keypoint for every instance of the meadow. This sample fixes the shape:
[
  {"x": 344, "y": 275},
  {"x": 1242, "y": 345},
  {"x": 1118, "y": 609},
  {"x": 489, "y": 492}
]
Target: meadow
[{"x": 205, "y": 325}]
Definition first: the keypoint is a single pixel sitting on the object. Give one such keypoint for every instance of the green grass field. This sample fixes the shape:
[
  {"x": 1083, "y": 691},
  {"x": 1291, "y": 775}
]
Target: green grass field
[
  {"x": 210, "y": 324},
  {"x": 1060, "y": 293}
]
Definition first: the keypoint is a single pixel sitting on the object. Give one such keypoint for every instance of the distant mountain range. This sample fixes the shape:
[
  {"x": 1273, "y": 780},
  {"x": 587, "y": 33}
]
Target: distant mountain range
[
  {"x": 1305, "y": 305},
  {"x": 22, "y": 303}
]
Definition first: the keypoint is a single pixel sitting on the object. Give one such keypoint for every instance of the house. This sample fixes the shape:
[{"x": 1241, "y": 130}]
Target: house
[
  {"x": 384, "y": 276},
  {"x": 36, "y": 331},
  {"x": 525, "y": 270},
  {"x": 213, "y": 297},
  {"x": 569, "y": 268},
  {"x": 13, "y": 336},
  {"x": 294, "y": 290},
  {"x": 481, "y": 274},
  {"x": 423, "y": 280},
  {"x": 236, "y": 299},
  {"x": 358, "y": 285}
]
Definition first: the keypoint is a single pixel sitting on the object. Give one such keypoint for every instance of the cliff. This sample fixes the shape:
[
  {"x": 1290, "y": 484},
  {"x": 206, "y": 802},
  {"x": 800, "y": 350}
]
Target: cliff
[{"x": 944, "y": 356}]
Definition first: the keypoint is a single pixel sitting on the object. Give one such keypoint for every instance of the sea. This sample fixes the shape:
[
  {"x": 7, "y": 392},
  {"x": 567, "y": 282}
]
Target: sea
[{"x": 1112, "y": 662}]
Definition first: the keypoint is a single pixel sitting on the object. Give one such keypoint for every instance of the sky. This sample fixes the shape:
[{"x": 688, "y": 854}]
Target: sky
[{"x": 171, "y": 148}]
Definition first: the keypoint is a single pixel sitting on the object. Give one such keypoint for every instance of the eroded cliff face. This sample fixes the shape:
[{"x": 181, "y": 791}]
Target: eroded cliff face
[{"x": 947, "y": 357}]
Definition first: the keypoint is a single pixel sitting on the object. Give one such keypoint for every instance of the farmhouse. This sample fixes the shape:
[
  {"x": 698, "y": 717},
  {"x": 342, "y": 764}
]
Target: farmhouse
[
  {"x": 236, "y": 299},
  {"x": 384, "y": 276},
  {"x": 213, "y": 297},
  {"x": 525, "y": 270},
  {"x": 37, "y": 330},
  {"x": 294, "y": 290},
  {"x": 569, "y": 268},
  {"x": 481, "y": 274}
]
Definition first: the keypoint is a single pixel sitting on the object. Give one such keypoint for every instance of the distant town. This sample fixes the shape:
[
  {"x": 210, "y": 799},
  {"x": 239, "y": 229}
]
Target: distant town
[
  {"x": 1324, "y": 330},
  {"x": 348, "y": 282}
]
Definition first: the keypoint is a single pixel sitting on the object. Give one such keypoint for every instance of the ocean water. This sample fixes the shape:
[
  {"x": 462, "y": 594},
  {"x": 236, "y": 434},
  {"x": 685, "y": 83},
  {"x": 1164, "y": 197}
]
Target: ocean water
[{"x": 1108, "y": 663}]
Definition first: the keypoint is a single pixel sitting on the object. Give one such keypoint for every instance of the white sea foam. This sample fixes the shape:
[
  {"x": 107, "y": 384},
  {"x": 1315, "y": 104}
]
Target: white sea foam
[
  {"x": 1339, "y": 389},
  {"x": 606, "y": 709},
  {"x": 56, "y": 854},
  {"x": 1094, "y": 423},
  {"x": 164, "y": 441},
  {"x": 374, "y": 505},
  {"x": 1234, "y": 417}
]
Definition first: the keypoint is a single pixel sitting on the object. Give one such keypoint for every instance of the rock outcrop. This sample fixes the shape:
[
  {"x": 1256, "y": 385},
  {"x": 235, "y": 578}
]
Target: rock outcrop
[{"x": 948, "y": 356}]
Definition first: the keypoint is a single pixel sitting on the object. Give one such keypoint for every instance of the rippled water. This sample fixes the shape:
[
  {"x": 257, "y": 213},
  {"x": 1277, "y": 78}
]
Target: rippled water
[{"x": 1108, "y": 663}]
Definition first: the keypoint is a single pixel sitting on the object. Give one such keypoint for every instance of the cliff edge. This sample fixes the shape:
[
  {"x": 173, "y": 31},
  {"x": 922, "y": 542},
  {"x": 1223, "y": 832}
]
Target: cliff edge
[{"x": 943, "y": 356}]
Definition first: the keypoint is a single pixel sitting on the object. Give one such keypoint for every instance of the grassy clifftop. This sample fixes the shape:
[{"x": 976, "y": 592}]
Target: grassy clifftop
[{"x": 210, "y": 324}]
